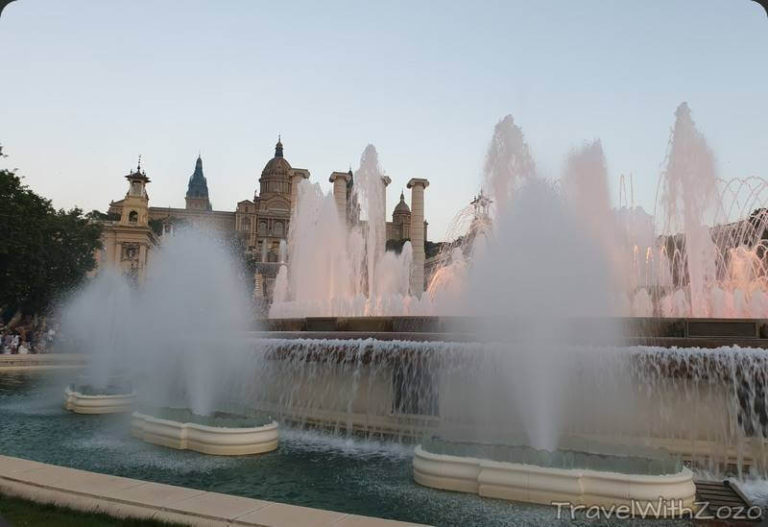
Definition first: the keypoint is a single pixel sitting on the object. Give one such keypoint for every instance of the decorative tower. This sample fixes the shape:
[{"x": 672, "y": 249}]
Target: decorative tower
[
  {"x": 197, "y": 190},
  {"x": 126, "y": 243},
  {"x": 136, "y": 203}
]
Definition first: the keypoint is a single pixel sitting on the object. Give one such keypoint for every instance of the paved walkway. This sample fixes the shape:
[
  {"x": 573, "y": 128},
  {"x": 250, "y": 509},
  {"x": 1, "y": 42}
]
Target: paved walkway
[{"x": 123, "y": 497}]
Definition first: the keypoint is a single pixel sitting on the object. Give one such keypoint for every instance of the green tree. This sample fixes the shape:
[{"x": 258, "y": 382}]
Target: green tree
[{"x": 43, "y": 252}]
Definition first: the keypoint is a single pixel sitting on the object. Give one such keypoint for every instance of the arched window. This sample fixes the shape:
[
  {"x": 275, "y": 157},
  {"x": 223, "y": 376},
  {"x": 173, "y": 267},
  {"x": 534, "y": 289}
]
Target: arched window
[
  {"x": 263, "y": 228},
  {"x": 245, "y": 224},
  {"x": 277, "y": 229},
  {"x": 133, "y": 217}
]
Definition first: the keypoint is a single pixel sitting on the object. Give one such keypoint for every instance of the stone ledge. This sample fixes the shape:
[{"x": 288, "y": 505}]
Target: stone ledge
[
  {"x": 43, "y": 361},
  {"x": 125, "y": 497},
  {"x": 471, "y": 328},
  {"x": 98, "y": 404}
]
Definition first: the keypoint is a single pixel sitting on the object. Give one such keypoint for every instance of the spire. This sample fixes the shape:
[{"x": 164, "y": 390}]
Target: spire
[
  {"x": 198, "y": 186},
  {"x": 402, "y": 196},
  {"x": 279, "y": 147},
  {"x": 138, "y": 173}
]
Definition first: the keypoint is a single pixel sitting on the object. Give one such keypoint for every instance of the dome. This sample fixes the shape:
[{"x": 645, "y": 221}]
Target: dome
[
  {"x": 402, "y": 207},
  {"x": 275, "y": 179},
  {"x": 278, "y": 165}
]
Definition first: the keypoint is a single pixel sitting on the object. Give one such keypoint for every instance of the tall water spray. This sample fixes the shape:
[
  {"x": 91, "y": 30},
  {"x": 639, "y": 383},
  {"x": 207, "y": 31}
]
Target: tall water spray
[
  {"x": 189, "y": 323},
  {"x": 96, "y": 321},
  {"x": 540, "y": 270},
  {"x": 337, "y": 263},
  {"x": 703, "y": 254},
  {"x": 585, "y": 188},
  {"x": 689, "y": 194},
  {"x": 508, "y": 162}
]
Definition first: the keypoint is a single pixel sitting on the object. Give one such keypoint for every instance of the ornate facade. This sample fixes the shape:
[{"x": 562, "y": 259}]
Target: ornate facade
[{"x": 261, "y": 223}]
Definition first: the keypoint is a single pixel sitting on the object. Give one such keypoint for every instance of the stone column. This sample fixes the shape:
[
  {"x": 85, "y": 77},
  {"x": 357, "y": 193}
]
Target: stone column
[
  {"x": 340, "y": 180},
  {"x": 258, "y": 285},
  {"x": 297, "y": 174},
  {"x": 417, "y": 187},
  {"x": 143, "y": 258},
  {"x": 385, "y": 180}
]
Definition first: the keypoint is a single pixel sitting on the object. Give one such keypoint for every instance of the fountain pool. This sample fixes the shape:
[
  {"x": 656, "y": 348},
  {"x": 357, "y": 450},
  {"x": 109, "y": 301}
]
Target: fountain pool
[{"x": 367, "y": 477}]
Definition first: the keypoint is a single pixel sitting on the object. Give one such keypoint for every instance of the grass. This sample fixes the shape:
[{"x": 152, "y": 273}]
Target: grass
[{"x": 23, "y": 513}]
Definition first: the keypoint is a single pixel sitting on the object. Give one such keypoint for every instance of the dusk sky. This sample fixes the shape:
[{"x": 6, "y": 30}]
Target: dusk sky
[{"x": 87, "y": 86}]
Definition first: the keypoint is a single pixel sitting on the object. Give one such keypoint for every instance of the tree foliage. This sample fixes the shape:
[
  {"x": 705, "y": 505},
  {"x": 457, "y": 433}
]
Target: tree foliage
[{"x": 43, "y": 251}]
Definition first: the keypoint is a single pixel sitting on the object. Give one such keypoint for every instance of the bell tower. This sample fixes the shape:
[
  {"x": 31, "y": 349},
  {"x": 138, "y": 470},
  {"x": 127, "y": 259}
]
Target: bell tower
[
  {"x": 126, "y": 243},
  {"x": 136, "y": 203}
]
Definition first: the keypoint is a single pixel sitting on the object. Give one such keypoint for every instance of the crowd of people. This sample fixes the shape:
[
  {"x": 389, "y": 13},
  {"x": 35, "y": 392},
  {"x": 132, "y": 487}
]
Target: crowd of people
[{"x": 23, "y": 340}]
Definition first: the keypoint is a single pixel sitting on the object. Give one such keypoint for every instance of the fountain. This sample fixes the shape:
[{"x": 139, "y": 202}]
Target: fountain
[
  {"x": 555, "y": 259},
  {"x": 94, "y": 322},
  {"x": 512, "y": 374},
  {"x": 178, "y": 338}
]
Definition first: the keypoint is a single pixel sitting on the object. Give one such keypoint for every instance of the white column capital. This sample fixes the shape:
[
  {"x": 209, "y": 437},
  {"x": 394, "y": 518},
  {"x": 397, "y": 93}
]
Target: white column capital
[
  {"x": 300, "y": 172},
  {"x": 424, "y": 183},
  {"x": 339, "y": 175}
]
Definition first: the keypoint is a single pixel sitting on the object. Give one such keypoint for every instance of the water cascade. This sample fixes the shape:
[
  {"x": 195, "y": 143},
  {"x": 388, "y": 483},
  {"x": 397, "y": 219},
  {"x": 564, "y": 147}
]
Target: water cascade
[{"x": 706, "y": 407}]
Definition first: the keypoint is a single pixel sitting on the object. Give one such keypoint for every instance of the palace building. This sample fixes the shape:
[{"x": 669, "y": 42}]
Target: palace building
[{"x": 133, "y": 227}]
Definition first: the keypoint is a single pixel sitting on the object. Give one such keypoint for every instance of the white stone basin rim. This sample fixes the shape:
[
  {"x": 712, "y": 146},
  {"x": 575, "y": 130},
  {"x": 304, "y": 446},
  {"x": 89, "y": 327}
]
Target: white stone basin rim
[
  {"x": 98, "y": 404},
  {"x": 214, "y": 440},
  {"x": 658, "y": 495}
]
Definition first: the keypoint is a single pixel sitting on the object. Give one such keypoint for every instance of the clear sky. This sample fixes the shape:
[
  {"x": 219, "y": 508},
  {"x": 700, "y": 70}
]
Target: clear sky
[{"x": 86, "y": 86}]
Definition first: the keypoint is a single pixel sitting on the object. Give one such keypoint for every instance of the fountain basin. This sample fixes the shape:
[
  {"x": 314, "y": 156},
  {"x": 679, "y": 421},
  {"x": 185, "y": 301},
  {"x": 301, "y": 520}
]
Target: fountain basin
[
  {"x": 662, "y": 495},
  {"x": 215, "y": 440},
  {"x": 94, "y": 403}
]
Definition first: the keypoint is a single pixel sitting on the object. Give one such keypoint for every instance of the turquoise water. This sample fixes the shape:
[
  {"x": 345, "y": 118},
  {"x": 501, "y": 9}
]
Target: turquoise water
[
  {"x": 310, "y": 469},
  {"x": 611, "y": 458}
]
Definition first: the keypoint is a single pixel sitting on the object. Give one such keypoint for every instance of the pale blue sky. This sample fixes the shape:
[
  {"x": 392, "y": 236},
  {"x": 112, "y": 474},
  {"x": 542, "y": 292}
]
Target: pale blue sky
[{"x": 87, "y": 85}]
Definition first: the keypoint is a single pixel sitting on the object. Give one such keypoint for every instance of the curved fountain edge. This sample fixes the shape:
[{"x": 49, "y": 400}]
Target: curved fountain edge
[
  {"x": 670, "y": 493},
  {"x": 98, "y": 404},
  {"x": 205, "y": 439}
]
